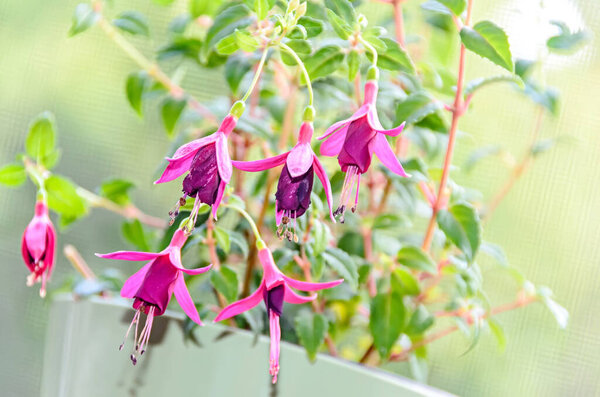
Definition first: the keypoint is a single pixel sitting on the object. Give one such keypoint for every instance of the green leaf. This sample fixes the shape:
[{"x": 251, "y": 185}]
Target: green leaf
[
  {"x": 419, "y": 321},
  {"x": 203, "y": 7},
  {"x": 181, "y": 47},
  {"x": 456, "y": 6},
  {"x": 133, "y": 22},
  {"x": 300, "y": 47},
  {"x": 481, "y": 153},
  {"x": 226, "y": 22},
  {"x": 171, "y": 110},
  {"x": 312, "y": 26},
  {"x": 117, "y": 191},
  {"x": 343, "y": 264},
  {"x": 12, "y": 175},
  {"x": 324, "y": 62},
  {"x": 164, "y": 2},
  {"x": 41, "y": 138},
  {"x": 416, "y": 107},
  {"x": 63, "y": 198},
  {"x": 394, "y": 58},
  {"x": 239, "y": 240},
  {"x": 83, "y": 18},
  {"x": 496, "y": 252},
  {"x": 235, "y": 70},
  {"x": 134, "y": 233},
  {"x": 261, "y": 7},
  {"x": 415, "y": 258},
  {"x": 498, "y": 333},
  {"x": 489, "y": 41},
  {"x": 298, "y": 32},
  {"x": 353, "y": 64},
  {"x": 386, "y": 321},
  {"x": 566, "y": 42},
  {"x": 311, "y": 329},
  {"x": 524, "y": 67},
  {"x": 344, "y": 9},
  {"x": 227, "y": 45},
  {"x": 225, "y": 280},
  {"x": 246, "y": 41},
  {"x": 548, "y": 97},
  {"x": 476, "y": 84},
  {"x": 340, "y": 27},
  {"x": 135, "y": 86},
  {"x": 222, "y": 237},
  {"x": 461, "y": 224},
  {"x": 405, "y": 282}
]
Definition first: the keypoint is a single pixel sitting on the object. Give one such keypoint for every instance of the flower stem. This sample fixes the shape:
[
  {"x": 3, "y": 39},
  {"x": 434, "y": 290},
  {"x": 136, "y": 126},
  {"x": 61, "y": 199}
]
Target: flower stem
[
  {"x": 370, "y": 48},
  {"x": 257, "y": 73},
  {"x": 399, "y": 22},
  {"x": 243, "y": 212},
  {"x": 304, "y": 71},
  {"x": 457, "y": 112}
]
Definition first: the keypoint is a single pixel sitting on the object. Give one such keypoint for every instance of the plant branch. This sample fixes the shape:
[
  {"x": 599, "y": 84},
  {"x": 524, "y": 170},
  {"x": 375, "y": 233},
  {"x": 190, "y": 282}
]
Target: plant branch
[
  {"x": 457, "y": 112},
  {"x": 150, "y": 67},
  {"x": 521, "y": 301},
  {"x": 519, "y": 169},
  {"x": 128, "y": 211}
]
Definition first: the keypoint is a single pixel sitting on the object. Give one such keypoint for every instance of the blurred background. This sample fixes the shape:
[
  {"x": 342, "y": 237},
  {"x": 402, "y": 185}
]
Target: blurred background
[{"x": 548, "y": 224}]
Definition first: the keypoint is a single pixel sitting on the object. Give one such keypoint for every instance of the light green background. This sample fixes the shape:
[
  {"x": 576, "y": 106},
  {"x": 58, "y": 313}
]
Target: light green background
[{"x": 548, "y": 223}]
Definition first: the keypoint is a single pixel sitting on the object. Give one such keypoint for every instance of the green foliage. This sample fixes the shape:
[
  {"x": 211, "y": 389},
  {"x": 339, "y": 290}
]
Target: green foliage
[
  {"x": 63, "y": 198},
  {"x": 461, "y": 225},
  {"x": 489, "y": 41},
  {"x": 135, "y": 87},
  {"x": 566, "y": 42},
  {"x": 324, "y": 61},
  {"x": 415, "y": 258},
  {"x": 311, "y": 329},
  {"x": 41, "y": 140},
  {"x": 394, "y": 58},
  {"x": 225, "y": 281},
  {"x": 116, "y": 190},
  {"x": 134, "y": 233},
  {"x": 12, "y": 175},
  {"x": 83, "y": 18},
  {"x": 132, "y": 22},
  {"x": 343, "y": 264},
  {"x": 386, "y": 321},
  {"x": 171, "y": 110}
]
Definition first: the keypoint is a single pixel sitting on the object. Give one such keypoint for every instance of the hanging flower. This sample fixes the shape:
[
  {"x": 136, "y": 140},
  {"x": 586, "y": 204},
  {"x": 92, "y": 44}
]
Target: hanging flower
[
  {"x": 274, "y": 289},
  {"x": 154, "y": 284},
  {"x": 292, "y": 198},
  {"x": 209, "y": 165},
  {"x": 37, "y": 247},
  {"x": 354, "y": 140}
]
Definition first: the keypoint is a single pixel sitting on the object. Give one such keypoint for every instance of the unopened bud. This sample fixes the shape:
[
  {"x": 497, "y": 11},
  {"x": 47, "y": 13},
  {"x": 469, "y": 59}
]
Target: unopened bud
[
  {"x": 362, "y": 21},
  {"x": 292, "y": 5}
]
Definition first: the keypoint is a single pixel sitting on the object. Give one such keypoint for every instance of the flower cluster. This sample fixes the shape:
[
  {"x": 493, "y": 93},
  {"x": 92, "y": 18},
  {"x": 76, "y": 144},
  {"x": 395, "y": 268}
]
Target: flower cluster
[{"x": 209, "y": 167}]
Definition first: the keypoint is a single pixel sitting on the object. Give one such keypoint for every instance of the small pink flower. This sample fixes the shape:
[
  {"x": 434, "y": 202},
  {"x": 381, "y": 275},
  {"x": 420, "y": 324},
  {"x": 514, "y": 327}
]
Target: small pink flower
[
  {"x": 37, "y": 247},
  {"x": 209, "y": 165},
  {"x": 274, "y": 289},
  {"x": 292, "y": 198},
  {"x": 153, "y": 286},
  {"x": 354, "y": 141}
]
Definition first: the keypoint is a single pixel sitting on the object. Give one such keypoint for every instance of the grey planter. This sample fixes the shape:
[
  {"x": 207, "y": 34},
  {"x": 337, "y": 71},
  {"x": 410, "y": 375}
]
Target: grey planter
[{"x": 82, "y": 359}]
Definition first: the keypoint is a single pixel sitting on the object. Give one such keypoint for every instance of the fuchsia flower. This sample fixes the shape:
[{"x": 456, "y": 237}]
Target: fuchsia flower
[
  {"x": 354, "y": 140},
  {"x": 154, "y": 284},
  {"x": 292, "y": 198},
  {"x": 209, "y": 165},
  {"x": 274, "y": 289},
  {"x": 37, "y": 247}
]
